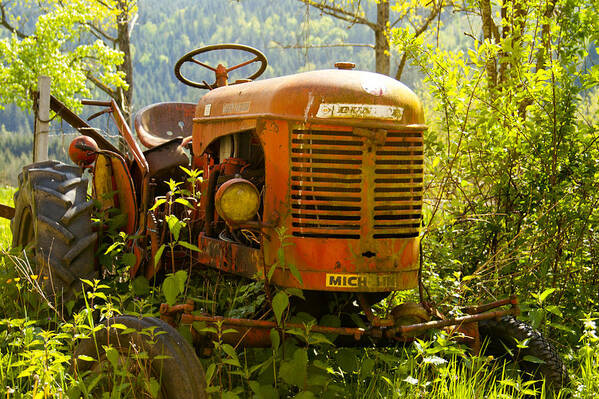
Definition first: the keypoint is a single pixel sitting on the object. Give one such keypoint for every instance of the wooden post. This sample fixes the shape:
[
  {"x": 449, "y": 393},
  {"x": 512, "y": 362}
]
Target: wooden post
[{"x": 42, "y": 120}]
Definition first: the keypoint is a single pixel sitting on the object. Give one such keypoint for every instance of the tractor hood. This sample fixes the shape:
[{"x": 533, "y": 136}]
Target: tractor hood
[{"x": 314, "y": 97}]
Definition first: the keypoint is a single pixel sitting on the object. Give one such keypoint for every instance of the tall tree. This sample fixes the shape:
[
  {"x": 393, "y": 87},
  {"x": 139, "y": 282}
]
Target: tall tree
[
  {"x": 117, "y": 33},
  {"x": 412, "y": 15},
  {"x": 71, "y": 41}
]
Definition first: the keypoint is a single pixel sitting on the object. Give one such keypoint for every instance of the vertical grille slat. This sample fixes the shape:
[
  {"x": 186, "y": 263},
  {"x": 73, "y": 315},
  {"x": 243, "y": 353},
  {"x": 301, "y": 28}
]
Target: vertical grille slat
[{"x": 330, "y": 187}]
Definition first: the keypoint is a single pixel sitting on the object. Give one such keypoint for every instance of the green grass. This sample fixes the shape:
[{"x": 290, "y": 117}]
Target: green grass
[
  {"x": 36, "y": 348},
  {"x": 6, "y": 194}
]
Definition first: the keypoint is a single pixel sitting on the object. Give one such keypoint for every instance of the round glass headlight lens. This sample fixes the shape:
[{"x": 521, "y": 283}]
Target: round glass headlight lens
[{"x": 237, "y": 201}]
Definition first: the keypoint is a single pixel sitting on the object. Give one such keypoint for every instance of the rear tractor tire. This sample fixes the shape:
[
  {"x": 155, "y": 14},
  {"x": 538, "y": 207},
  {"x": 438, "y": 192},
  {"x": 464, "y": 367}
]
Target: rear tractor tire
[
  {"x": 53, "y": 219},
  {"x": 502, "y": 337}
]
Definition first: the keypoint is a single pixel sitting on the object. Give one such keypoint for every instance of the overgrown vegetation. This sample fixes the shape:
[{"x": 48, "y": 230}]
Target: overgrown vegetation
[
  {"x": 510, "y": 208},
  {"x": 37, "y": 345},
  {"x": 512, "y": 162}
]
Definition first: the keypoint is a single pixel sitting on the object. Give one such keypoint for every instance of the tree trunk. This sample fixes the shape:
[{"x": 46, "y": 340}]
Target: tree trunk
[
  {"x": 488, "y": 28},
  {"x": 381, "y": 38}
]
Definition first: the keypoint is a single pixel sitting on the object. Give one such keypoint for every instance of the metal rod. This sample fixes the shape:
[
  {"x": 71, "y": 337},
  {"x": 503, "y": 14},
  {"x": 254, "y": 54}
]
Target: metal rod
[
  {"x": 512, "y": 300},
  {"x": 83, "y": 127},
  {"x": 267, "y": 324},
  {"x": 375, "y": 332},
  {"x": 141, "y": 161},
  {"x": 7, "y": 212},
  {"x": 96, "y": 102},
  {"x": 449, "y": 322}
]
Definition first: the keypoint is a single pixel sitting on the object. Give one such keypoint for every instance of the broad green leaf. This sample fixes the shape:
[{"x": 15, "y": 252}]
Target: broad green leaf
[
  {"x": 305, "y": 395},
  {"x": 129, "y": 259},
  {"x": 181, "y": 279},
  {"x": 555, "y": 310},
  {"x": 159, "y": 255},
  {"x": 113, "y": 356},
  {"x": 366, "y": 367},
  {"x": 118, "y": 326},
  {"x": 279, "y": 304},
  {"x": 318, "y": 338},
  {"x": 268, "y": 392},
  {"x": 545, "y": 294},
  {"x": 140, "y": 286},
  {"x": 184, "y": 202},
  {"x": 347, "y": 360},
  {"x": 533, "y": 359},
  {"x": 254, "y": 386},
  {"x": 271, "y": 271},
  {"x": 170, "y": 290},
  {"x": 294, "y": 272},
  {"x": 210, "y": 372},
  {"x": 154, "y": 387},
  {"x": 229, "y": 350},
  {"x": 293, "y": 371},
  {"x": 295, "y": 292},
  {"x": 189, "y": 246},
  {"x": 112, "y": 247},
  {"x": 158, "y": 203},
  {"x": 174, "y": 225}
]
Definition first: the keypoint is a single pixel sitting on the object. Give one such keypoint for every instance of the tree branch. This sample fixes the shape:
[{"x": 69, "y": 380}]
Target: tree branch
[
  {"x": 340, "y": 13},
  {"x": 102, "y": 3},
  {"x": 112, "y": 93},
  {"x": 5, "y": 23},
  {"x": 435, "y": 11},
  {"x": 99, "y": 33}
]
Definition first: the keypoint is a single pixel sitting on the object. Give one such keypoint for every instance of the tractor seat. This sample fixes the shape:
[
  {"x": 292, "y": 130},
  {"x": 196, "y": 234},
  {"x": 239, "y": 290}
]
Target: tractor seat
[{"x": 158, "y": 123}]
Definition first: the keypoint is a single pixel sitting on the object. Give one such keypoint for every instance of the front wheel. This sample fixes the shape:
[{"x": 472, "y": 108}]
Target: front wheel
[
  {"x": 539, "y": 359},
  {"x": 139, "y": 358}
]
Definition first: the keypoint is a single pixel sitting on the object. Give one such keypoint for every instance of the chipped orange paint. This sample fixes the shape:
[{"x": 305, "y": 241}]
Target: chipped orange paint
[{"x": 359, "y": 212}]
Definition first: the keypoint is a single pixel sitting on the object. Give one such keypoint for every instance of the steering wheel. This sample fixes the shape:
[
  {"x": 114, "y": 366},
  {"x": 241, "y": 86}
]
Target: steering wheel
[{"x": 220, "y": 71}]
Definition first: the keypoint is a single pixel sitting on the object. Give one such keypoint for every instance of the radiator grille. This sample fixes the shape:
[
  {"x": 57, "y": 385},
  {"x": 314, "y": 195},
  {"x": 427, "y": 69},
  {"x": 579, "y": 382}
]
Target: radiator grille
[
  {"x": 326, "y": 184},
  {"x": 333, "y": 184},
  {"x": 398, "y": 186}
]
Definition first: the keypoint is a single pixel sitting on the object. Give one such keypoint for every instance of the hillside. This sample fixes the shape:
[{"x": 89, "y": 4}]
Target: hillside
[{"x": 163, "y": 34}]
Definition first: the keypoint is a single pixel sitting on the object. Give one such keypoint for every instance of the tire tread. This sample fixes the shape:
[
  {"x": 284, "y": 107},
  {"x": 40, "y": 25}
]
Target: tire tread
[
  {"x": 507, "y": 331},
  {"x": 55, "y": 194}
]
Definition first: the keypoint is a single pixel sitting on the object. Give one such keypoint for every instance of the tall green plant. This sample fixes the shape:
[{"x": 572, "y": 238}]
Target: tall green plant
[{"x": 511, "y": 168}]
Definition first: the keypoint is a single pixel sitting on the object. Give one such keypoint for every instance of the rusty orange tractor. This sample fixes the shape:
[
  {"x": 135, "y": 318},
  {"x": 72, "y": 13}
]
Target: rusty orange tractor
[{"x": 312, "y": 181}]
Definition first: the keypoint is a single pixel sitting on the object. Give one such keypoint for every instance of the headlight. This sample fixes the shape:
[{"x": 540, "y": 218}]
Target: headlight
[{"x": 237, "y": 201}]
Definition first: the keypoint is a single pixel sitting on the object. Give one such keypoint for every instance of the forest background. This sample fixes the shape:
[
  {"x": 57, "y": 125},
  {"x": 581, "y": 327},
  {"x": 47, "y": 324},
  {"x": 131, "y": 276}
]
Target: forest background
[
  {"x": 293, "y": 36},
  {"x": 512, "y": 152}
]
